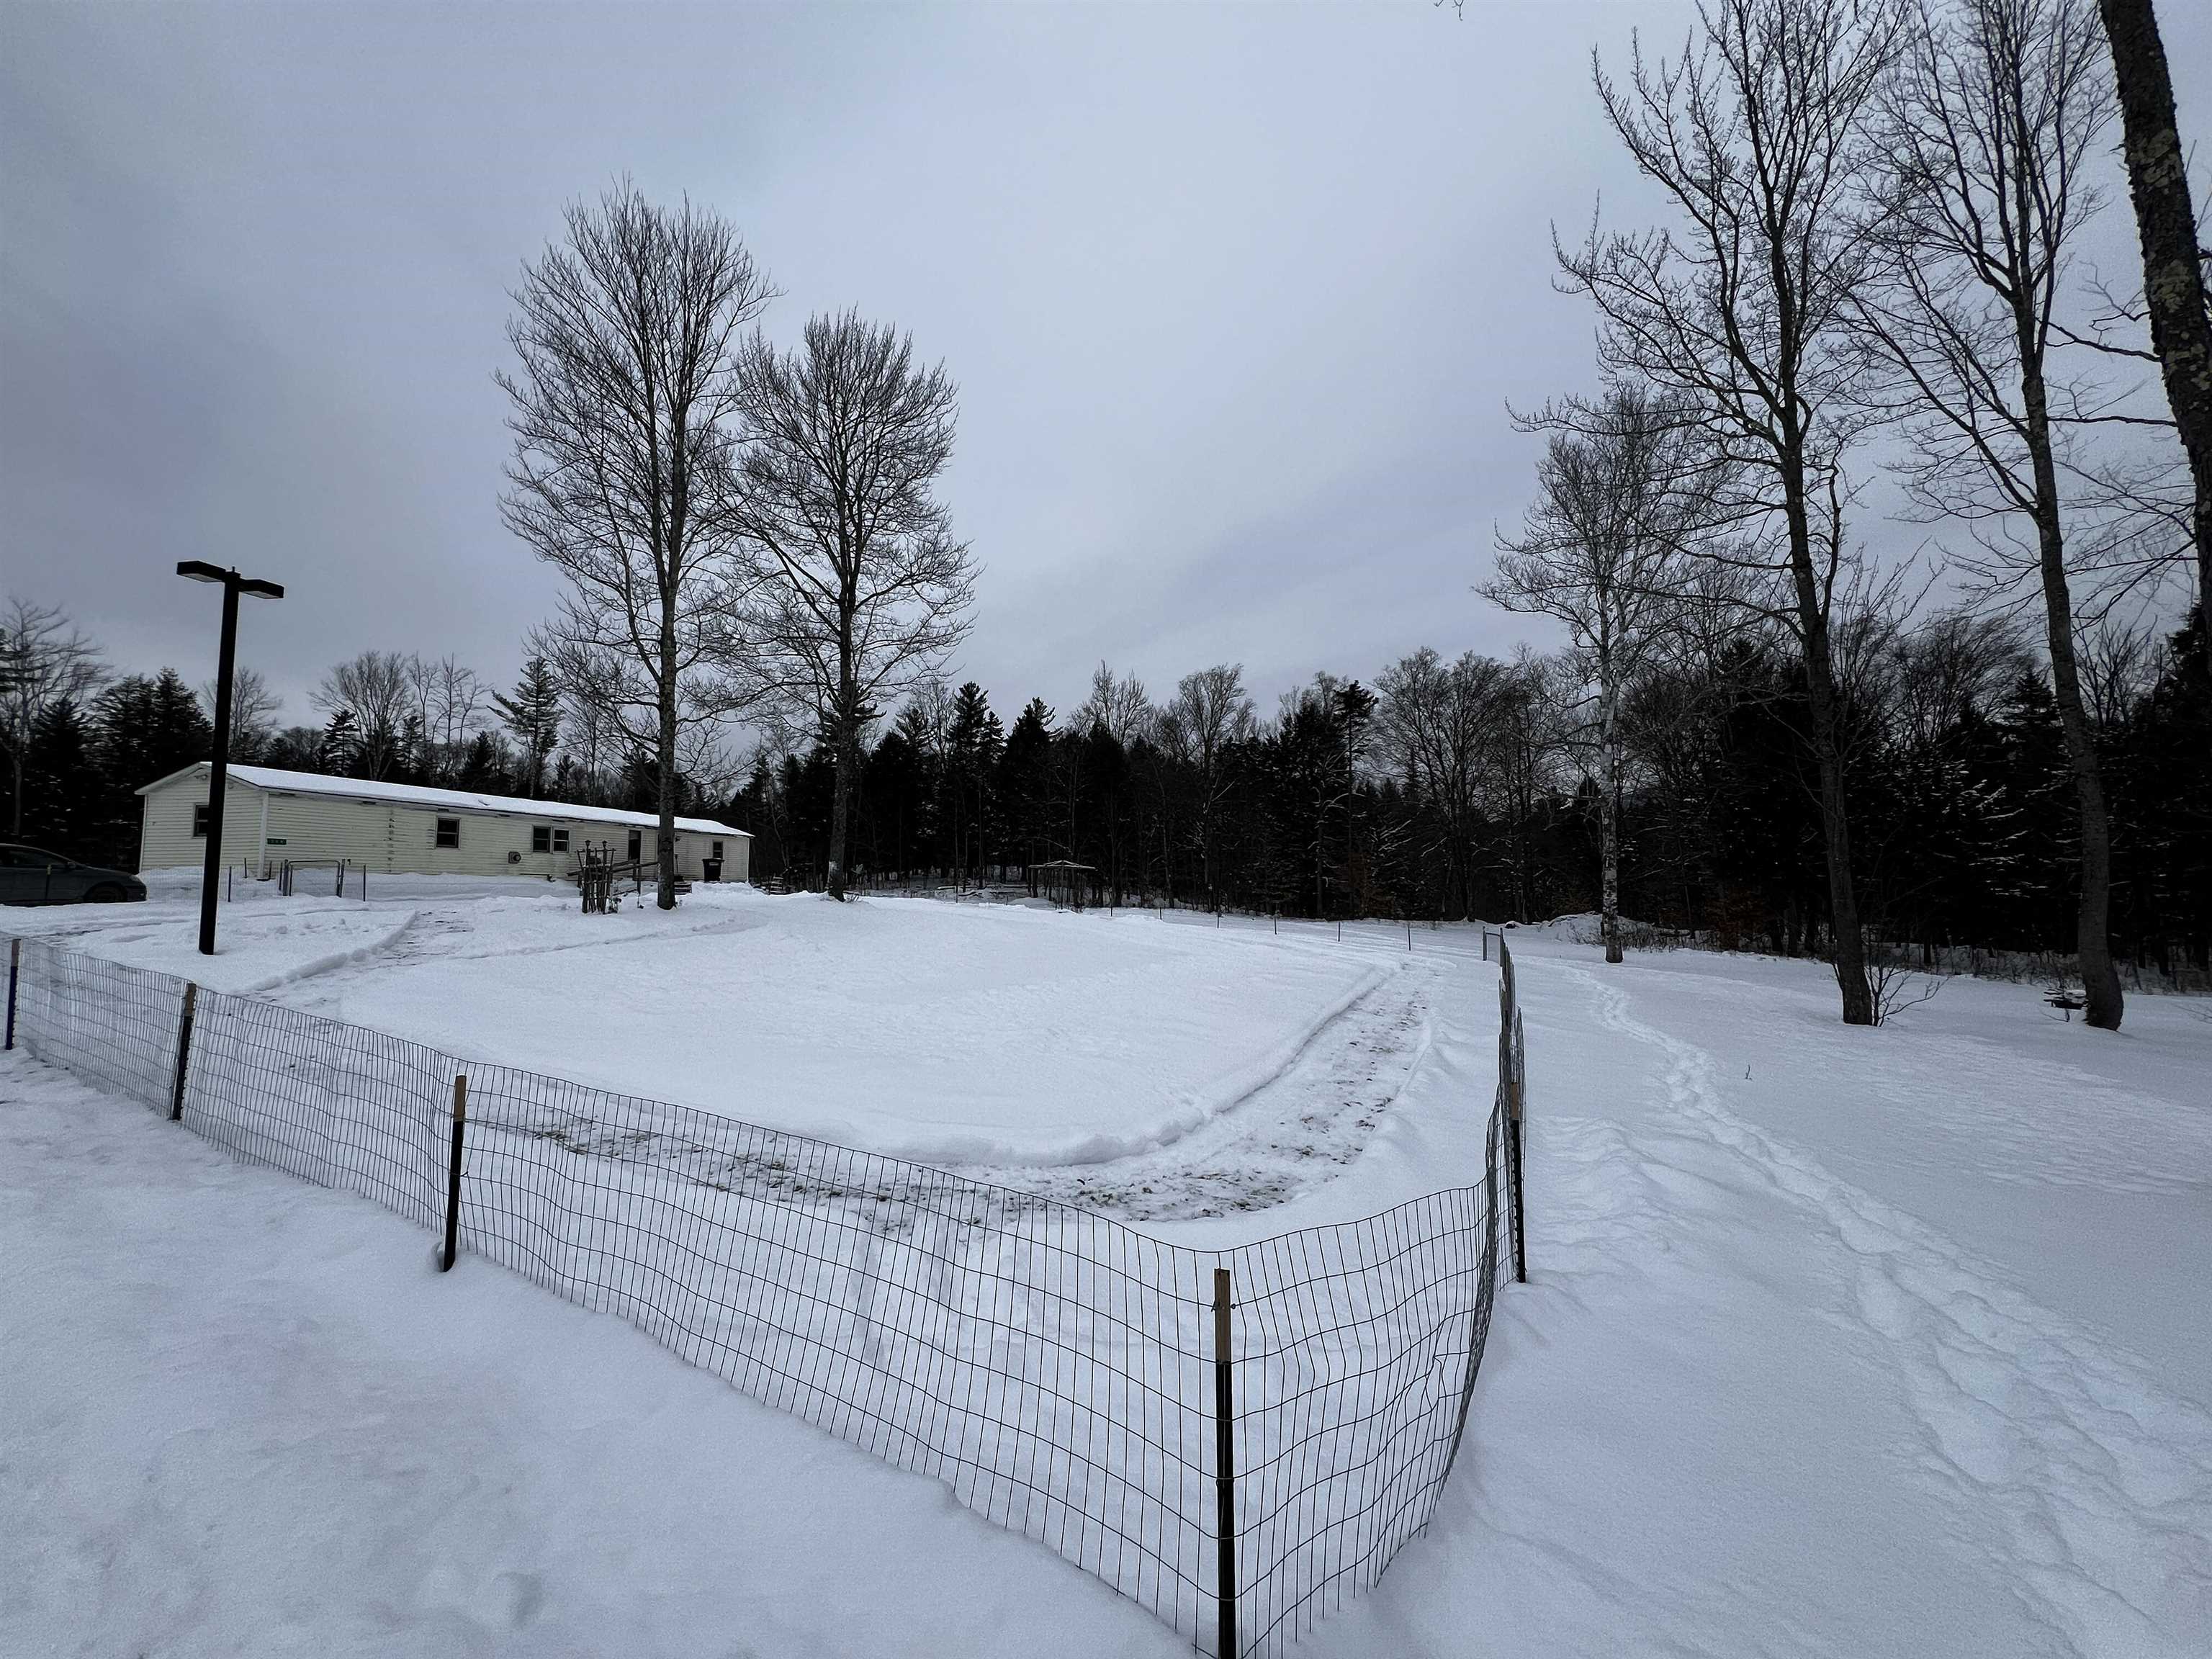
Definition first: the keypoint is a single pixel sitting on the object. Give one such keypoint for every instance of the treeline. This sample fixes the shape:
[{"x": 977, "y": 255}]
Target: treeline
[
  {"x": 1445, "y": 789},
  {"x": 1454, "y": 789},
  {"x": 80, "y": 739}
]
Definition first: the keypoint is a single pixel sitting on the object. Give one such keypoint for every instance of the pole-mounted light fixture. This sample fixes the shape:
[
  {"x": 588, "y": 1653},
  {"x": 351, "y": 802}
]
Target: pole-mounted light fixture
[{"x": 233, "y": 585}]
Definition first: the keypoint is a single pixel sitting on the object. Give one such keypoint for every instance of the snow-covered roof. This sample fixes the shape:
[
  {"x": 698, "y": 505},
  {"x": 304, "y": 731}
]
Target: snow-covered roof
[{"x": 462, "y": 800}]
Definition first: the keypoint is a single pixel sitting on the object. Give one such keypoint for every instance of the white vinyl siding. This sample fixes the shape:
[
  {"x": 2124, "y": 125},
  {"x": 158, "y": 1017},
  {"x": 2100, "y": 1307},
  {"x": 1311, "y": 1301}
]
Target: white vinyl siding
[
  {"x": 393, "y": 837},
  {"x": 166, "y": 840}
]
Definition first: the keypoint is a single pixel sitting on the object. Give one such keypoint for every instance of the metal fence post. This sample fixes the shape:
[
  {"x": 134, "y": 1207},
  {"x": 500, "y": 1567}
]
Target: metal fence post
[
  {"x": 1512, "y": 1056},
  {"x": 184, "y": 1052},
  {"x": 1224, "y": 1467},
  {"x": 453, "y": 1174},
  {"x": 15, "y": 962}
]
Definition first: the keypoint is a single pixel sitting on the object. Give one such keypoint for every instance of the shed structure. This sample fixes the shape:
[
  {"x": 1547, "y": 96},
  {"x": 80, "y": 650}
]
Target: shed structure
[
  {"x": 1066, "y": 882},
  {"x": 402, "y": 828}
]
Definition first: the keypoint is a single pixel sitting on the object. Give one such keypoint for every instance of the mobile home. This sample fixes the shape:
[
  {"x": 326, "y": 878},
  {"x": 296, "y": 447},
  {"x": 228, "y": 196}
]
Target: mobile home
[{"x": 270, "y": 816}]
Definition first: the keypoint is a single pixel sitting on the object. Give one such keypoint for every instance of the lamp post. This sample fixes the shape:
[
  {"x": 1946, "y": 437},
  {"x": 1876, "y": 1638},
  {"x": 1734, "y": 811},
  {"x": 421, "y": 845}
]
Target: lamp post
[{"x": 219, "y": 768}]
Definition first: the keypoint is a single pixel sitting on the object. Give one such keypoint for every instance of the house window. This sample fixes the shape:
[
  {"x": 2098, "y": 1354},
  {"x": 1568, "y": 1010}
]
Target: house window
[
  {"x": 560, "y": 841},
  {"x": 449, "y": 832},
  {"x": 717, "y": 849},
  {"x": 636, "y": 845},
  {"x": 200, "y": 821},
  {"x": 540, "y": 838}
]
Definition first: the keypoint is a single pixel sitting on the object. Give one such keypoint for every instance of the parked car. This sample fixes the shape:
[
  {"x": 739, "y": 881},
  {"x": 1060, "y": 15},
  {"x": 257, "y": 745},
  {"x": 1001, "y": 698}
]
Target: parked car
[{"x": 31, "y": 875}]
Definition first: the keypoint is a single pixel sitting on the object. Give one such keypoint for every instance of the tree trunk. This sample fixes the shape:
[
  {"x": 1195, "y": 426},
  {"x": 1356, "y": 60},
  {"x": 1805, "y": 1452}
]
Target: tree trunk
[
  {"x": 2100, "y": 979},
  {"x": 1828, "y": 750},
  {"x": 841, "y": 808},
  {"x": 1609, "y": 813},
  {"x": 663, "y": 839},
  {"x": 2174, "y": 280}
]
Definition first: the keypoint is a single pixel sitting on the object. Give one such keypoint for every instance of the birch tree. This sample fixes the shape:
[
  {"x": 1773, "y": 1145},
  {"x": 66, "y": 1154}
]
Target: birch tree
[
  {"x": 1998, "y": 112},
  {"x": 1598, "y": 551},
  {"x": 865, "y": 590},
  {"x": 1758, "y": 137},
  {"x": 624, "y": 474}
]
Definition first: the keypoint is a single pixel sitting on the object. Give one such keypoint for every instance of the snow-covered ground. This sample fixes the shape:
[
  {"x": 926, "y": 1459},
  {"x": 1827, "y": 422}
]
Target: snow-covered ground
[
  {"x": 1003, "y": 1036},
  {"x": 1837, "y": 1342},
  {"x": 243, "y": 1415}
]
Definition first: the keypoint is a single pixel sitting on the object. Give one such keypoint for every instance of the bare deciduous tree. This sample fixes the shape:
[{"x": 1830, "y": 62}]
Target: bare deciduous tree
[
  {"x": 375, "y": 688},
  {"x": 866, "y": 591},
  {"x": 1210, "y": 714},
  {"x": 449, "y": 701},
  {"x": 254, "y": 708},
  {"x": 1617, "y": 502},
  {"x": 1952, "y": 664},
  {"x": 1997, "y": 111},
  {"x": 2119, "y": 665},
  {"x": 1757, "y": 134},
  {"x": 44, "y": 661},
  {"x": 624, "y": 474},
  {"x": 1118, "y": 705},
  {"x": 1439, "y": 723},
  {"x": 592, "y": 741}
]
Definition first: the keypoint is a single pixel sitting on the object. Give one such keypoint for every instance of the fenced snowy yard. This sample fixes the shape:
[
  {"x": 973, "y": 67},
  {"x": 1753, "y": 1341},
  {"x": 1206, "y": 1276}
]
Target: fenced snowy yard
[
  {"x": 1837, "y": 1341},
  {"x": 1104, "y": 1392}
]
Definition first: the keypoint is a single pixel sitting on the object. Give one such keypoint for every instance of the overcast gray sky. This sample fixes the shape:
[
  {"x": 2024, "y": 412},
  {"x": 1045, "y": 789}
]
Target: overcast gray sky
[{"x": 1236, "y": 297}]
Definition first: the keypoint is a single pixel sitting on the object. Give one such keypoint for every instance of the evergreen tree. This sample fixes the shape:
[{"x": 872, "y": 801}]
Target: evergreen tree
[
  {"x": 486, "y": 766},
  {"x": 150, "y": 726},
  {"x": 66, "y": 794},
  {"x": 897, "y": 816},
  {"x": 533, "y": 713},
  {"x": 295, "y": 749},
  {"x": 145, "y": 728},
  {"x": 338, "y": 751},
  {"x": 973, "y": 742},
  {"x": 411, "y": 756},
  {"x": 1023, "y": 785}
]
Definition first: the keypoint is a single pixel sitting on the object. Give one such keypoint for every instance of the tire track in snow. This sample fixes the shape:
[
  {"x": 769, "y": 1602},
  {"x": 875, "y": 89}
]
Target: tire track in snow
[
  {"x": 1300, "y": 1128},
  {"x": 2101, "y": 1480},
  {"x": 320, "y": 987}
]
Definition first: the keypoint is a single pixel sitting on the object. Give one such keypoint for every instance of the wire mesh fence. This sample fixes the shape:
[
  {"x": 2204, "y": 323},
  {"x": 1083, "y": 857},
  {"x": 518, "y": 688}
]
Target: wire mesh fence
[{"x": 1060, "y": 1371}]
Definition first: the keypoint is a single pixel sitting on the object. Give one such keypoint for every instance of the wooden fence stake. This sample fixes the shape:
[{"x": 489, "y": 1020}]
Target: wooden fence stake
[
  {"x": 454, "y": 1176},
  {"x": 15, "y": 962},
  {"x": 184, "y": 1052},
  {"x": 1224, "y": 1465}
]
